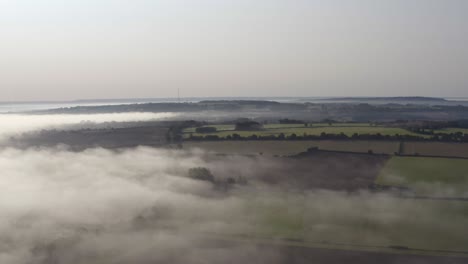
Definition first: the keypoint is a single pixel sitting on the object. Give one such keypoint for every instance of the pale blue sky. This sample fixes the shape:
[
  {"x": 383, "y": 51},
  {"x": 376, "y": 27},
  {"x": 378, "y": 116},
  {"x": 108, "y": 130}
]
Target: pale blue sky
[{"x": 81, "y": 49}]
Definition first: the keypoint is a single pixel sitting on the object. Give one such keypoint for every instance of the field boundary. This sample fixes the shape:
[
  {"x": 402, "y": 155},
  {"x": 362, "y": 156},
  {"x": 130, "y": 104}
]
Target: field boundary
[
  {"x": 374, "y": 152},
  {"x": 390, "y": 249},
  {"x": 431, "y": 156},
  {"x": 311, "y": 151}
]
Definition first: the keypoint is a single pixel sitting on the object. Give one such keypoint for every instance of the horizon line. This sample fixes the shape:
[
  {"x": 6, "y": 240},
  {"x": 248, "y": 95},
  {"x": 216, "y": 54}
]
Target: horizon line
[{"x": 216, "y": 97}]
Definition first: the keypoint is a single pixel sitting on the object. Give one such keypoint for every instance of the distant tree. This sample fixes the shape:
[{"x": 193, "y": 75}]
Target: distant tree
[
  {"x": 212, "y": 137},
  {"x": 253, "y": 137},
  {"x": 281, "y": 136},
  {"x": 202, "y": 174}
]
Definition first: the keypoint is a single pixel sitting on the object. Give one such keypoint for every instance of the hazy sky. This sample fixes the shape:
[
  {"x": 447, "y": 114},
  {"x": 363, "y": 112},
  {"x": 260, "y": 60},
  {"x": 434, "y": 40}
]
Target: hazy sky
[{"x": 78, "y": 49}]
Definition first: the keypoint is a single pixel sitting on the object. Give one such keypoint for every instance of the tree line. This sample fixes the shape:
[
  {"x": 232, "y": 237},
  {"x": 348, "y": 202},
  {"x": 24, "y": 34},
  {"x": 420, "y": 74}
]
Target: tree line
[{"x": 453, "y": 137}]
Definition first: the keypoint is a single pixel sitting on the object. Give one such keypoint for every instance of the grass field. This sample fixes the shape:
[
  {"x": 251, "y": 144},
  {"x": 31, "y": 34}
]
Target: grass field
[
  {"x": 300, "y": 129},
  {"x": 451, "y": 130},
  {"x": 363, "y": 220},
  {"x": 360, "y": 219},
  {"x": 427, "y": 176}
]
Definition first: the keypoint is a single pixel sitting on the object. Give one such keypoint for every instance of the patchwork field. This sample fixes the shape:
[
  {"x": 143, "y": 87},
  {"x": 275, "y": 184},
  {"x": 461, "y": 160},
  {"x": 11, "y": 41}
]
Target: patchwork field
[
  {"x": 300, "y": 129},
  {"x": 322, "y": 200},
  {"x": 375, "y": 222},
  {"x": 289, "y": 147},
  {"x": 442, "y": 149},
  {"x": 230, "y": 127},
  {"x": 452, "y": 130},
  {"x": 427, "y": 176}
]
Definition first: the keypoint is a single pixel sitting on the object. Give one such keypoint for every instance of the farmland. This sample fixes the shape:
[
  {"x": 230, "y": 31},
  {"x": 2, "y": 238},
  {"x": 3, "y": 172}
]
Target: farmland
[
  {"x": 313, "y": 218},
  {"x": 443, "y": 149},
  {"x": 352, "y": 193},
  {"x": 451, "y": 130},
  {"x": 427, "y": 176},
  {"x": 320, "y": 200},
  {"x": 327, "y": 204},
  {"x": 287, "y": 148},
  {"x": 348, "y": 129}
]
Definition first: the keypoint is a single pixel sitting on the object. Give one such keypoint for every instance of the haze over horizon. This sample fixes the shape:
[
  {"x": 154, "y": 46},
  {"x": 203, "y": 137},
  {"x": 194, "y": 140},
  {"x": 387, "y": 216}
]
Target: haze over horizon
[
  {"x": 55, "y": 50},
  {"x": 93, "y": 101}
]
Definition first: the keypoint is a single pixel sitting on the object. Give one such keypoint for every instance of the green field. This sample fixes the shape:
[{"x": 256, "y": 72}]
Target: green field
[
  {"x": 451, "y": 130},
  {"x": 369, "y": 221},
  {"x": 299, "y": 129},
  {"x": 360, "y": 220},
  {"x": 427, "y": 176}
]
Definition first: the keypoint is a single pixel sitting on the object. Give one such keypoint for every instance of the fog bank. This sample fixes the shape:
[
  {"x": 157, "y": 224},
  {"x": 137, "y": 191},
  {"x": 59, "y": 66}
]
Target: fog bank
[
  {"x": 140, "y": 206},
  {"x": 14, "y": 124}
]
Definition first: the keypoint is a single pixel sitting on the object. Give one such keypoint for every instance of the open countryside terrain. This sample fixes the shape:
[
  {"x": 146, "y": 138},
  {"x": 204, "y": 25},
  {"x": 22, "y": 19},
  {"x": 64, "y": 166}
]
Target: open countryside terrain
[
  {"x": 310, "y": 171},
  {"x": 349, "y": 129},
  {"x": 430, "y": 225},
  {"x": 353, "y": 197},
  {"x": 446, "y": 177},
  {"x": 307, "y": 195},
  {"x": 289, "y": 148},
  {"x": 451, "y": 130},
  {"x": 305, "y": 213},
  {"x": 309, "y": 189},
  {"x": 439, "y": 149}
]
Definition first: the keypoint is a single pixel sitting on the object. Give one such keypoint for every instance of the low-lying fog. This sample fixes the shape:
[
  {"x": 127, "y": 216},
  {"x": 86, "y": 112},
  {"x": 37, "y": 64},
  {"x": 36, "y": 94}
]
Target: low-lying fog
[
  {"x": 15, "y": 124},
  {"x": 139, "y": 206}
]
